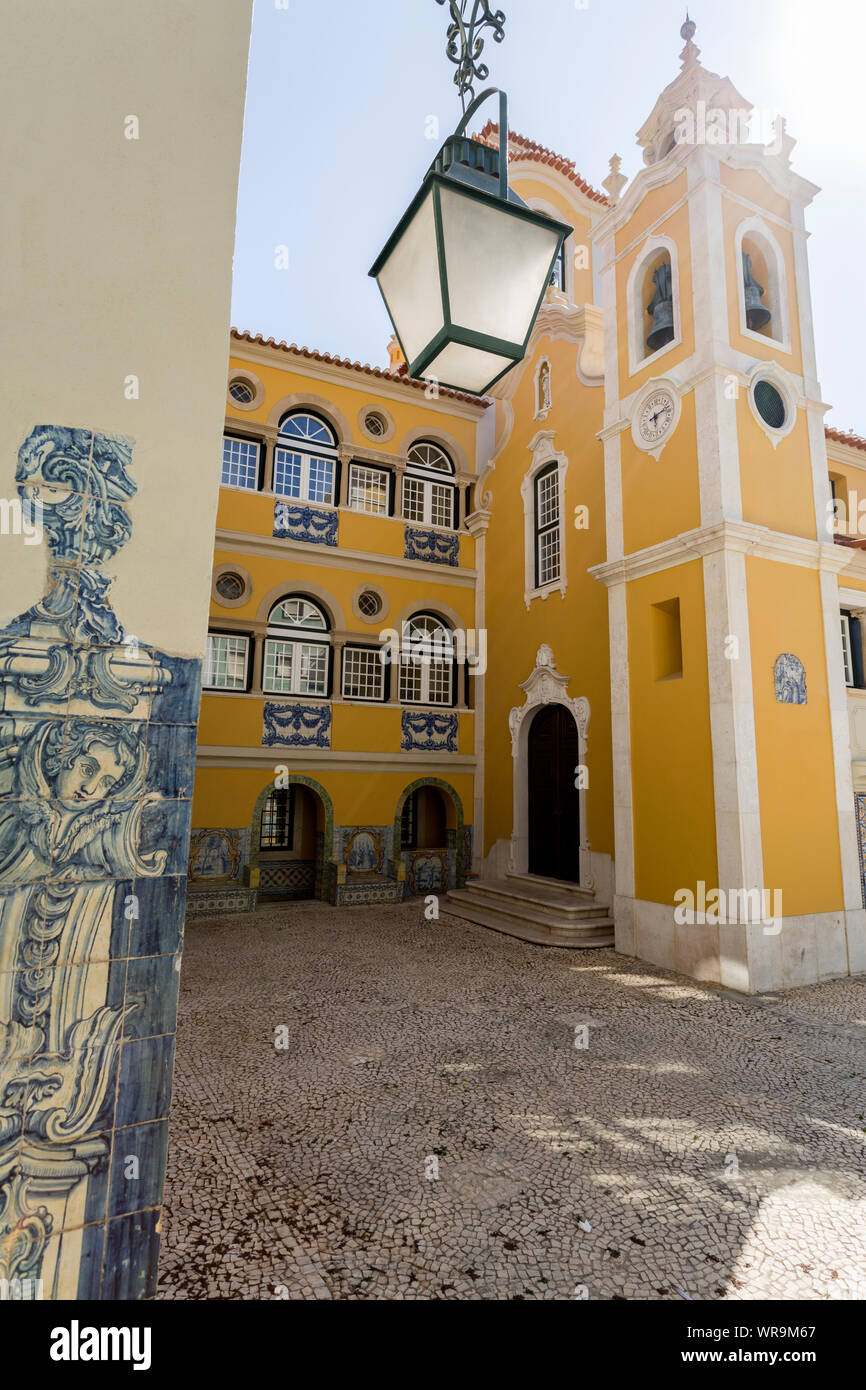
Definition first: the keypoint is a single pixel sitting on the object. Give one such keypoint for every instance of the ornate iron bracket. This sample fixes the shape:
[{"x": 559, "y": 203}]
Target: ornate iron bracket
[{"x": 464, "y": 42}]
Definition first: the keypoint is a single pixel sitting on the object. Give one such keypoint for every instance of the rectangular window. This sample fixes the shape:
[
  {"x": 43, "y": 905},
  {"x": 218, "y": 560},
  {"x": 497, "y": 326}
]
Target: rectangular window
[
  {"x": 428, "y": 502},
  {"x": 295, "y": 668},
  {"x": 426, "y": 681},
  {"x": 363, "y": 674},
  {"x": 305, "y": 477},
  {"x": 240, "y": 463},
  {"x": 547, "y": 527},
  {"x": 368, "y": 490},
  {"x": 226, "y": 662},
  {"x": 847, "y": 656},
  {"x": 557, "y": 275},
  {"x": 278, "y": 819}
]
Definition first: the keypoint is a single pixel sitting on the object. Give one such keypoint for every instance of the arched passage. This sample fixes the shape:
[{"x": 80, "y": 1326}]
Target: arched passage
[
  {"x": 292, "y": 839},
  {"x": 426, "y": 807}
]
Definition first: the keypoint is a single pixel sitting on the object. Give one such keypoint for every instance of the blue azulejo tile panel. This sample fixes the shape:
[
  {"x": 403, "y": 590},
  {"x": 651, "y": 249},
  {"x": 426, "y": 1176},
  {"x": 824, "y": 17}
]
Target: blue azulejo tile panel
[
  {"x": 428, "y": 732},
  {"x": 171, "y": 759},
  {"x": 144, "y": 1090},
  {"x": 154, "y": 910},
  {"x": 152, "y": 984},
  {"x": 131, "y": 1255},
  {"x": 437, "y": 547},
  {"x": 301, "y": 523},
  {"x": 92, "y": 1256},
  {"x": 165, "y": 836},
  {"x": 137, "y": 1167},
  {"x": 177, "y": 691},
  {"x": 297, "y": 726},
  {"x": 95, "y": 812}
]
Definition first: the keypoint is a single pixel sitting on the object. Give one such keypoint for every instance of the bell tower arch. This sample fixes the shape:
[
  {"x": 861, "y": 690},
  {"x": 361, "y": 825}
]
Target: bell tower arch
[{"x": 720, "y": 558}]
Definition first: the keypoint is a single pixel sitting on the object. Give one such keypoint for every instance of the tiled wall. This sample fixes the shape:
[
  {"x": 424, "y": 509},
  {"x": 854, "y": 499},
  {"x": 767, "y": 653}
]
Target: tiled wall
[{"x": 97, "y": 747}]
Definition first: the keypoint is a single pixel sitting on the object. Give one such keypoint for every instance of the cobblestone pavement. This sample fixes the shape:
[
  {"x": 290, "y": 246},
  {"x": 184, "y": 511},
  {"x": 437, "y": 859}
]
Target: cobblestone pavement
[{"x": 714, "y": 1144}]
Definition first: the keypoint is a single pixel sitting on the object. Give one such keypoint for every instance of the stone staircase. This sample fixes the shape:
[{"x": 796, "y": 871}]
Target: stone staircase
[{"x": 546, "y": 911}]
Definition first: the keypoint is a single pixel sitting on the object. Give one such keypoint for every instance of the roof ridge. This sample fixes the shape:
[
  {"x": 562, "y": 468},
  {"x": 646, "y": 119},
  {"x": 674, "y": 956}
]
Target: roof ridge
[
  {"x": 856, "y": 441},
  {"x": 400, "y": 376},
  {"x": 532, "y": 150}
]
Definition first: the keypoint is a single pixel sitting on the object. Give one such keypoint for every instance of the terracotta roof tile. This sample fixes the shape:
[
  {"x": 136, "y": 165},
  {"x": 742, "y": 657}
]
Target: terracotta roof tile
[
  {"x": 530, "y": 150},
  {"x": 855, "y": 441},
  {"x": 400, "y": 375}
]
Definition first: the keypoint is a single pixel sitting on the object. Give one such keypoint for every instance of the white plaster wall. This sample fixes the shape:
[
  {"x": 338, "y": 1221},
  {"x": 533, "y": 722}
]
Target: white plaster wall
[{"x": 117, "y": 259}]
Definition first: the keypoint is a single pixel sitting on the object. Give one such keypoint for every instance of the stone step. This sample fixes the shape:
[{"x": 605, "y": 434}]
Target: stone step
[
  {"x": 528, "y": 922},
  {"x": 557, "y": 888},
  {"x": 569, "y": 906}
]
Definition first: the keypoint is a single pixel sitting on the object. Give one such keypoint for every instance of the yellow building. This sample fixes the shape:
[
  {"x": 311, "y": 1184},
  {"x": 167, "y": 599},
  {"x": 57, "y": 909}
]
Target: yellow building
[{"x": 634, "y": 724}]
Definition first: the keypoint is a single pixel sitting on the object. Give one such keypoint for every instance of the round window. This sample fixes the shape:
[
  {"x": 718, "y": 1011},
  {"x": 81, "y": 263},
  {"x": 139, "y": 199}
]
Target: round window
[
  {"x": 374, "y": 423},
  {"x": 369, "y": 603},
  {"x": 242, "y": 391},
  {"x": 770, "y": 404},
  {"x": 230, "y": 585}
]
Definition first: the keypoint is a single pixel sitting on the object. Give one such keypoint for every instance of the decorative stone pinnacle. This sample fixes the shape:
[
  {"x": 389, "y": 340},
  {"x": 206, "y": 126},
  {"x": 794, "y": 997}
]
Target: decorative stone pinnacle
[
  {"x": 691, "y": 52},
  {"x": 615, "y": 181},
  {"x": 784, "y": 143}
]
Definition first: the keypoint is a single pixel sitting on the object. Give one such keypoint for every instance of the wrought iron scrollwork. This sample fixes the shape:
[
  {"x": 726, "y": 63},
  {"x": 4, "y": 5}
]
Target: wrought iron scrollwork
[{"x": 464, "y": 42}]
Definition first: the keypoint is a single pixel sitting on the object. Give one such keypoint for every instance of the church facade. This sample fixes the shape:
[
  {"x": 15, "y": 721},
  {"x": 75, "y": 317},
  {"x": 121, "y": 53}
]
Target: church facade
[{"x": 583, "y": 655}]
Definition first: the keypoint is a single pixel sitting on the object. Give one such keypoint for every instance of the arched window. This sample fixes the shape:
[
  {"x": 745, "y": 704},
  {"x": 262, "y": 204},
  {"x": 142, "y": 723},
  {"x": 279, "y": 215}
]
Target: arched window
[
  {"x": 427, "y": 497},
  {"x": 423, "y": 822},
  {"x": 297, "y": 658},
  {"x": 305, "y": 459},
  {"x": 653, "y": 299},
  {"x": 762, "y": 288},
  {"x": 278, "y": 816},
  {"x": 426, "y": 661}
]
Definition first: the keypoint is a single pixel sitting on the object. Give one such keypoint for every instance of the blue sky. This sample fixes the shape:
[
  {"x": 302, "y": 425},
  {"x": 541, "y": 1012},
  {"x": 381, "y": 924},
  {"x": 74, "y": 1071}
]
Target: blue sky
[{"x": 340, "y": 92}]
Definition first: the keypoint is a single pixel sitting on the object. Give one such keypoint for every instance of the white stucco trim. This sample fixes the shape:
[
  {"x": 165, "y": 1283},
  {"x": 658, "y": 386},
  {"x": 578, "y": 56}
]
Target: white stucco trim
[
  {"x": 637, "y": 357},
  {"x": 543, "y": 454},
  {"x": 778, "y": 377},
  {"x": 658, "y": 383},
  {"x": 776, "y": 298},
  {"x": 545, "y": 686}
]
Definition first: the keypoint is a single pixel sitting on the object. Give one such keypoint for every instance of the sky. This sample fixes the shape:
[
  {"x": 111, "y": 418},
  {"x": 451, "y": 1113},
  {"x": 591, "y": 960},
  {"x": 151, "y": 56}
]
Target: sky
[{"x": 337, "y": 138}]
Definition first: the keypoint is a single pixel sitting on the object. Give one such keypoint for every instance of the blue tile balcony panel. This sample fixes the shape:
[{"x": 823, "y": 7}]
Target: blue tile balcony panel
[
  {"x": 298, "y": 522},
  {"x": 436, "y": 547}
]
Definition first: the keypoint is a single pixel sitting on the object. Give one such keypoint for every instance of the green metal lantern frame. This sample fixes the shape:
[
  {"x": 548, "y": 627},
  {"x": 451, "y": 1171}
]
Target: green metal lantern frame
[{"x": 482, "y": 174}]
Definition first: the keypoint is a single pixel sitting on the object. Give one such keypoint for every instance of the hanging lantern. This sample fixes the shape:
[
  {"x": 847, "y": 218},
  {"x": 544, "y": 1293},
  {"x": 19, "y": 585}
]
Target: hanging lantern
[{"x": 465, "y": 270}]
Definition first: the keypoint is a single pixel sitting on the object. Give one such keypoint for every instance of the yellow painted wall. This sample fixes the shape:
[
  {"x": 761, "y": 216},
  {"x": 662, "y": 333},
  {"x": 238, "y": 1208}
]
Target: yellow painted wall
[
  {"x": 672, "y": 761},
  {"x": 796, "y": 785},
  {"x": 776, "y": 484},
  {"x": 574, "y": 626},
  {"x": 661, "y": 497}
]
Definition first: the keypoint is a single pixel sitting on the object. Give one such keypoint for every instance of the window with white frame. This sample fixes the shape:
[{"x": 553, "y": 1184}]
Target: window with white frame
[
  {"x": 226, "y": 662},
  {"x": 363, "y": 674},
  {"x": 305, "y": 459},
  {"x": 847, "y": 654},
  {"x": 426, "y": 662},
  {"x": 547, "y": 530},
  {"x": 297, "y": 649},
  {"x": 240, "y": 466},
  {"x": 368, "y": 489},
  {"x": 427, "y": 499}
]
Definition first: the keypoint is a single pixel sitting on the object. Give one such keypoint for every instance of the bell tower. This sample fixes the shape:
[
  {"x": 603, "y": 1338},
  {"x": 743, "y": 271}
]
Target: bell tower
[{"x": 736, "y": 850}]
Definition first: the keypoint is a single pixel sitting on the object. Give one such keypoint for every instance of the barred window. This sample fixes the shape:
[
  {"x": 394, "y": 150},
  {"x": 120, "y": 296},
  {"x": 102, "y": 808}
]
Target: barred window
[
  {"x": 547, "y": 538},
  {"x": 368, "y": 490},
  {"x": 305, "y": 459},
  {"x": 240, "y": 466},
  {"x": 226, "y": 662},
  {"x": 278, "y": 817},
  {"x": 363, "y": 674},
  {"x": 426, "y": 662}
]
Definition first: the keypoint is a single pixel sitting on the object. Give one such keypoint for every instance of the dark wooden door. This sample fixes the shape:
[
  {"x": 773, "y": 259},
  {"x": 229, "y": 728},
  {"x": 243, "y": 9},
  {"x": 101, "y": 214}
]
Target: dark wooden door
[{"x": 554, "y": 807}]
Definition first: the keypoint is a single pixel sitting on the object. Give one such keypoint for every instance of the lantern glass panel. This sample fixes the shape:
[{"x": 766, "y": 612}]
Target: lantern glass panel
[
  {"x": 497, "y": 264},
  {"x": 470, "y": 369},
  {"x": 409, "y": 280}
]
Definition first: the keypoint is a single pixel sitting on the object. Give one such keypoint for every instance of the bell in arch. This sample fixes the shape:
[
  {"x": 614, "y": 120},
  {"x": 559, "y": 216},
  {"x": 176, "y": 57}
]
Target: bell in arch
[
  {"x": 661, "y": 306},
  {"x": 757, "y": 316}
]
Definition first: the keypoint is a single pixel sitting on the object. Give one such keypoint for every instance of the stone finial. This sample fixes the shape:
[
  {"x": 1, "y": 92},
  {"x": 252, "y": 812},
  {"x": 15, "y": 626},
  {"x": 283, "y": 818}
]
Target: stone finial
[
  {"x": 396, "y": 360},
  {"x": 615, "y": 181},
  {"x": 783, "y": 143},
  {"x": 691, "y": 53}
]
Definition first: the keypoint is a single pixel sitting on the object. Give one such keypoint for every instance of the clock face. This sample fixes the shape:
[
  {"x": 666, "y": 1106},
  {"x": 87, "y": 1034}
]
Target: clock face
[{"x": 656, "y": 417}]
